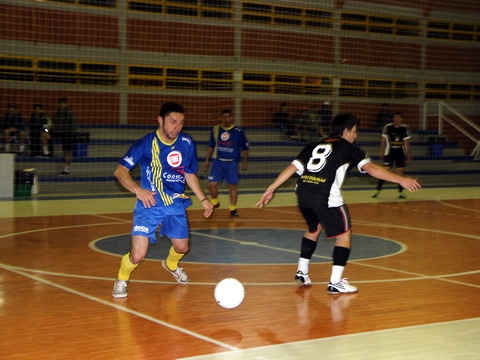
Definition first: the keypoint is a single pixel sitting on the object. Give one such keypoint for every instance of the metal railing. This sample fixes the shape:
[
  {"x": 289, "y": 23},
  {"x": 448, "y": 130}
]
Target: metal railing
[{"x": 447, "y": 113}]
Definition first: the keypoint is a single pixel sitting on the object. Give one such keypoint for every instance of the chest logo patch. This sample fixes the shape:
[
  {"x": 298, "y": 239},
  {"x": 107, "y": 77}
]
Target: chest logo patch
[
  {"x": 225, "y": 136},
  {"x": 174, "y": 159}
]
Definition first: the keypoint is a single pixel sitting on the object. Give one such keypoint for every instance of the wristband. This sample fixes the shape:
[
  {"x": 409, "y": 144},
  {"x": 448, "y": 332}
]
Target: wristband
[{"x": 203, "y": 199}]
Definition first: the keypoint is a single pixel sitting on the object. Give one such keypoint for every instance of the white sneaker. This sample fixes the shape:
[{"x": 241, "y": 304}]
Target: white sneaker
[
  {"x": 343, "y": 287},
  {"x": 302, "y": 279},
  {"x": 120, "y": 289},
  {"x": 180, "y": 274}
]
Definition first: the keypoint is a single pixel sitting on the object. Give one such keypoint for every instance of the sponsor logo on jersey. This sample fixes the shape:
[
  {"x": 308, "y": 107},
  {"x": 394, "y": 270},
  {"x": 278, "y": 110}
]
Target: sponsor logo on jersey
[
  {"x": 186, "y": 139},
  {"x": 225, "y": 136},
  {"x": 129, "y": 160},
  {"x": 173, "y": 177},
  {"x": 180, "y": 196},
  {"x": 174, "y": 159}
]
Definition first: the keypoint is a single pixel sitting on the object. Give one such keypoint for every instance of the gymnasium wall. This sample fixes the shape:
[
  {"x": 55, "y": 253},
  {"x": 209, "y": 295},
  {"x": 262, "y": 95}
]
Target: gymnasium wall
[{"x": 235, "y": 46}]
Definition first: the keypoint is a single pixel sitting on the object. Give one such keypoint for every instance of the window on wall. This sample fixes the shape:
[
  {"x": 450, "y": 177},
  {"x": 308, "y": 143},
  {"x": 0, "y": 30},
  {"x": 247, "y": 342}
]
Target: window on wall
[
  {"x": 452, "y": 91},
  {"x": 99, "y": 3},
  {"x": 375, "y": 24},
  {"x": 378, "y": 88},
  {"x": 180, "y": 78},
  {"x": 270, "y": 83},
  {"x": 58, "y": 71},
  {"x": 453, "y": 31},
  {"x": 215, "y": 9},
  {"x": 16, "y": 69},
  {"x": 281, "y": 15}
]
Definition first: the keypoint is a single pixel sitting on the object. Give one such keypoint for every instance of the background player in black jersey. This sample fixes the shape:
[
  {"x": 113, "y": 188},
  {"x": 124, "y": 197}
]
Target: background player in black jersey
[
  {"x": 322, "y": 166},
  {"x": 395, "y": 150}
]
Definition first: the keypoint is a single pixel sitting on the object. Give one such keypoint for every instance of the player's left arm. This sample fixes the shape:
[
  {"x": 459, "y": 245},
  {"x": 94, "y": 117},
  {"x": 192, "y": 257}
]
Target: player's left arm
[
  {"x": 408, "y": 149},
  {"x": 245, "y": 160},
  {"x": 380, "y": 172},
  {"x": 194, "y": 185},
  {"x": 244, "y": 146}
]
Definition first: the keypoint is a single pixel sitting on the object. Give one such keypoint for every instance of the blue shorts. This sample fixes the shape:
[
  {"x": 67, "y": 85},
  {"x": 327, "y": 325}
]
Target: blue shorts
[
  {"x": 221, "y": 170},
  {"x": 172, "y": 220}
]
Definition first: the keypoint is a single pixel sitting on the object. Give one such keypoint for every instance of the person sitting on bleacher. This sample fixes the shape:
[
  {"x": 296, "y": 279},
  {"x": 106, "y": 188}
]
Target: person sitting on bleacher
[
  {"x": 13, "y": 129},
  {"x": 40, "y": 126}
]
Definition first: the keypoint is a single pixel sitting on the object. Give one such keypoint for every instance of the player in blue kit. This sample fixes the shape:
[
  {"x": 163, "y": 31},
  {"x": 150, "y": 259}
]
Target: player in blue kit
[
  {"x": 167, "y": 161},
  {"x": 322, "y": 166},
  {"x": 226, "y": 146}
]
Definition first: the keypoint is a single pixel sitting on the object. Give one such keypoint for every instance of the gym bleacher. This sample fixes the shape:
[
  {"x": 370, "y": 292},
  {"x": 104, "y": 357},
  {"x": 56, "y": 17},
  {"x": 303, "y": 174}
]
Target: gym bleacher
[{"x": 437, "y": 161}]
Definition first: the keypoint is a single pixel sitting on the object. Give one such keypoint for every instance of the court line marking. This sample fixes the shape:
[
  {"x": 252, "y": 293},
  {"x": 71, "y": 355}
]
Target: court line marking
[
  {"x": 144, "y": 281},
  {"x": 442, "y": 331},
  {"x": 118, "y": 307},
  {"x": 357, "y": 262}
]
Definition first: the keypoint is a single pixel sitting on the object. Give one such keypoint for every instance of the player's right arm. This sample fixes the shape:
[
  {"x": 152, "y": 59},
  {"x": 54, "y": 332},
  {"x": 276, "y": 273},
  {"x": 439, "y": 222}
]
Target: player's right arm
[
  {"x": 145, "y": 196},
  {"x": 208, "y": 156},
  {"x": 281, "y": 178}
]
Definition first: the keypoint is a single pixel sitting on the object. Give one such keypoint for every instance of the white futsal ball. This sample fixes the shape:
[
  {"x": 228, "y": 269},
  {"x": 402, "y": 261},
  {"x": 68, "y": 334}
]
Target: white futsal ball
[{"x": 229, "y": 293}]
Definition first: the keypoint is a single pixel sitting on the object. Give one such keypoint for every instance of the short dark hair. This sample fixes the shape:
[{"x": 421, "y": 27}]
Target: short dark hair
[
  {"x": 343, "y": 121},
  {"x": 171, "y": 107},
  {"x": 226, "y": 111},
  {"x": 62, "y": 100},
  {"x": 398, "y": 113},
  {"x": 37, "y": 106}
]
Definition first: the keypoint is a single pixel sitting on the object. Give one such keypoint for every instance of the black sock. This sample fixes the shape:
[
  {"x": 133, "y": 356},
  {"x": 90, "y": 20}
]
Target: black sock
[
  {"x": 340, "y": 255},
  {"x": 380, "y": 184},
  {"x": 308, "y": 248}
]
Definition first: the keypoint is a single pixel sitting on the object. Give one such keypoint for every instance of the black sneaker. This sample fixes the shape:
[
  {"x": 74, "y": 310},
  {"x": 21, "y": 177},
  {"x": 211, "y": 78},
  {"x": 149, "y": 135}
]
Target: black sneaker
[
  {"x": 216, "y": 206},
  {"x": 233, "y": 213},
  {"x": 63, "y": 173}
]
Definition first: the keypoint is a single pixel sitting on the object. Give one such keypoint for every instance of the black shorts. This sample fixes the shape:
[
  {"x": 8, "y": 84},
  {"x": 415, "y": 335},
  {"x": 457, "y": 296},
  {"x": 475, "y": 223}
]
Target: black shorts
[
  {"x": 335, "y": 221},
  {"x": 395, "y": 157},
  {"x": 66, "y": 139}
]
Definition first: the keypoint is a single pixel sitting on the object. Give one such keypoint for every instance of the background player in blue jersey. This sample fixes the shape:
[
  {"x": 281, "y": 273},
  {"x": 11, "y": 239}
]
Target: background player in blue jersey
[
  {"x": 322, "y": 166},
  {"x": 395, "y": 150},
  {"x": 226, "y": 146},
  {"x": 167, "y": 160}
]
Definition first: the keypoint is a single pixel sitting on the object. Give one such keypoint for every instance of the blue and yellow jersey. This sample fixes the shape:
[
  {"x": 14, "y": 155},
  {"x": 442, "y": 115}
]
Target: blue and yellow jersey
[
  {"x": 228, "y": 144},
  {"x": 163, "y": 166}
]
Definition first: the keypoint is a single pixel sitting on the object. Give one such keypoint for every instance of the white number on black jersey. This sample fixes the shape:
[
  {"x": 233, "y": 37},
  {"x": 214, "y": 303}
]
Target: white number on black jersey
[{"x": 319, "y": 157}]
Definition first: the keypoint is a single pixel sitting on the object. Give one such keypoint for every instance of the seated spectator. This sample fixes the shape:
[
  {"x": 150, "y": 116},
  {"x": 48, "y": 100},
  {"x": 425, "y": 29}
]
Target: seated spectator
[
  {"x": 301, "y": 124},
  {"x": 40, "y": 125},
  {"x": 325, "y": 115},
  {"x": 282, "y": 121},
  {"x": 12, "y": 129}
]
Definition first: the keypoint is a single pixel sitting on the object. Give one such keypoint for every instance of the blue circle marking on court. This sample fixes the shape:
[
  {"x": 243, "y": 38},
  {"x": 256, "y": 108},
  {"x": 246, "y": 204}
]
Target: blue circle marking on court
[{"x": 253, "y": 246}]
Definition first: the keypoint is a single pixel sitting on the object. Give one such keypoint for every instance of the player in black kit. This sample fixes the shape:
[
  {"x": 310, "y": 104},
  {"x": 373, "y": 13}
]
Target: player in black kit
[
  {"x": 322, "y": 166},
  {"x": 395, "y": 150}
]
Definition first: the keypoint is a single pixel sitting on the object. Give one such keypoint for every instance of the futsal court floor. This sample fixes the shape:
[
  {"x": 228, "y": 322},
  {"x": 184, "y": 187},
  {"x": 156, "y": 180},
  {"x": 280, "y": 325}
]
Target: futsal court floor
[{"x": 416, "y": 263}]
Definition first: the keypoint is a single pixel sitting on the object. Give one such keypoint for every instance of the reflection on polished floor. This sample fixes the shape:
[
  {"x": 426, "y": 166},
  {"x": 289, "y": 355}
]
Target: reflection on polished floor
[{"x": 419, "y": 301}]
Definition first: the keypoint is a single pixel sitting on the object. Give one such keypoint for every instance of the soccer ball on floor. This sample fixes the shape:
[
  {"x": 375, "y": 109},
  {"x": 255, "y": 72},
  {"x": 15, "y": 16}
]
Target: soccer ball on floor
[{"x": 229, "y": 293}]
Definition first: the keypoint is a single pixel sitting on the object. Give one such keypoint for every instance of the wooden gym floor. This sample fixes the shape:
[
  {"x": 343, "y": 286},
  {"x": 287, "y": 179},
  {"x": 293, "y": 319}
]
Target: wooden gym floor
[{"x": 415, "y": 262}]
